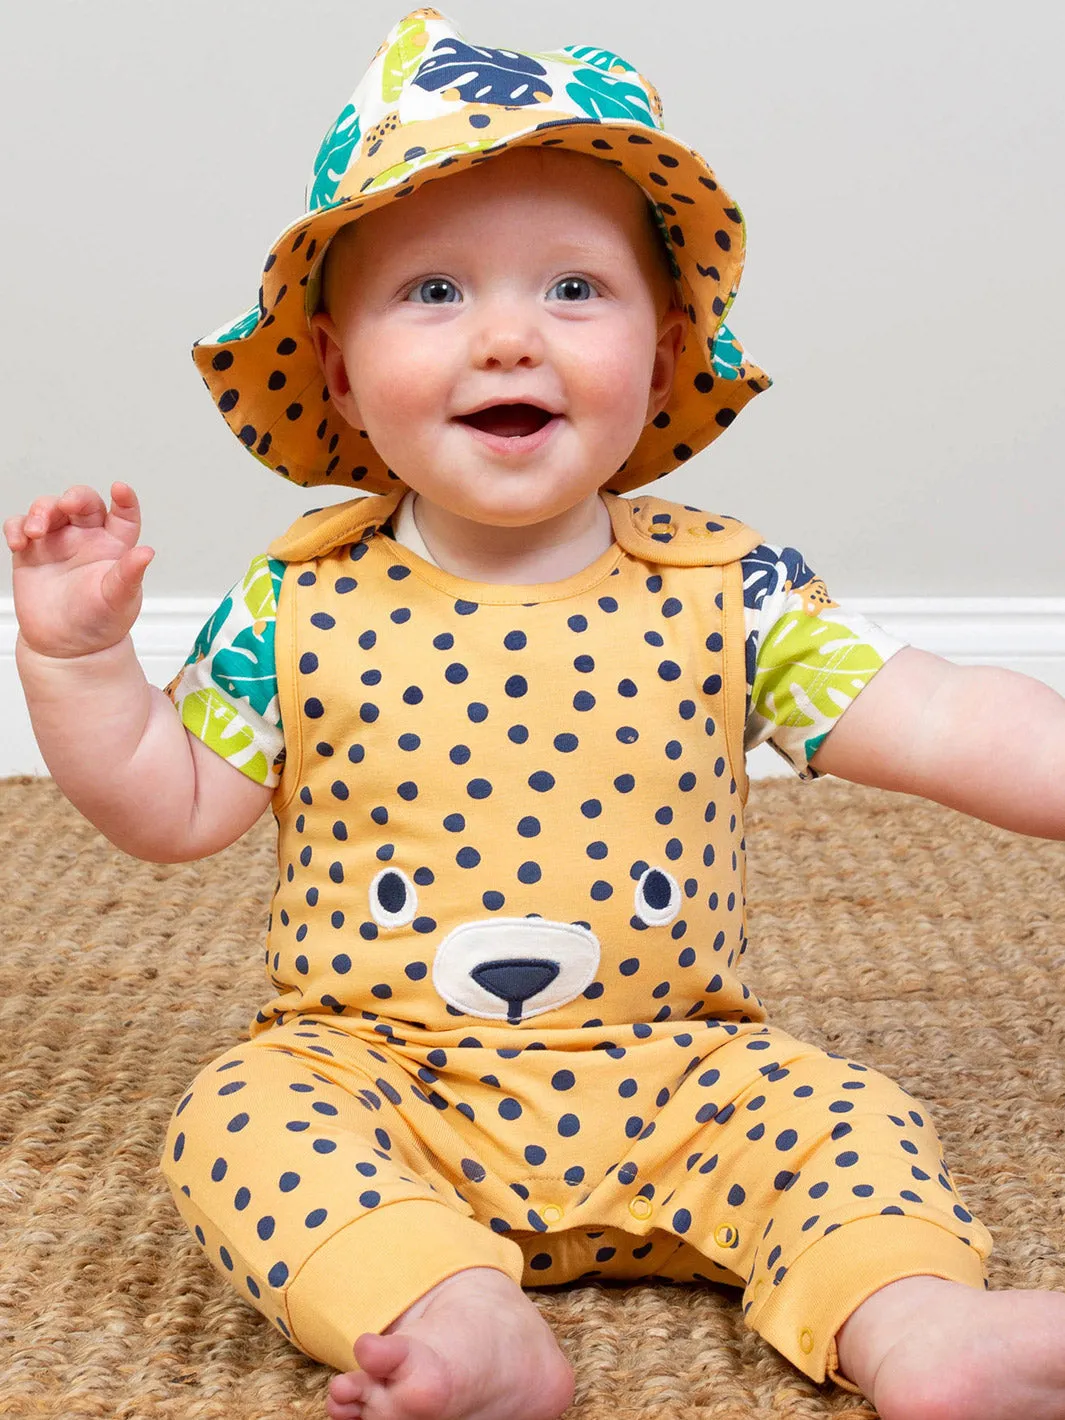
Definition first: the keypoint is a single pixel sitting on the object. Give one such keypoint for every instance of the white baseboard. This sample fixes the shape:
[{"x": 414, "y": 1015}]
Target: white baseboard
[{"x": 1025, "y": 634}]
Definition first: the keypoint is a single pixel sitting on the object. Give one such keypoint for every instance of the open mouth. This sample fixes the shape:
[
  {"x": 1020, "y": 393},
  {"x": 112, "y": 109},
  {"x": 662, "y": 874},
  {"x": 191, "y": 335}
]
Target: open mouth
[{"x": 511, "y": 421}]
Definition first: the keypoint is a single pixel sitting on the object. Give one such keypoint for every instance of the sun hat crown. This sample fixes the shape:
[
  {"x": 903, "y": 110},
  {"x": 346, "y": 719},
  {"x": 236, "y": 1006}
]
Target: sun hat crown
[{"x": 404, "y": 85}]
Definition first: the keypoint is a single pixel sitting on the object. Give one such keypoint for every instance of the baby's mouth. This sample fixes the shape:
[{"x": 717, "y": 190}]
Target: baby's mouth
[{"x": 508, "y": 420}]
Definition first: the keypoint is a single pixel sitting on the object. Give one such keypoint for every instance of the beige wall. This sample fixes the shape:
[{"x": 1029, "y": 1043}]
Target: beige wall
[{"x": 899, "y": 166}]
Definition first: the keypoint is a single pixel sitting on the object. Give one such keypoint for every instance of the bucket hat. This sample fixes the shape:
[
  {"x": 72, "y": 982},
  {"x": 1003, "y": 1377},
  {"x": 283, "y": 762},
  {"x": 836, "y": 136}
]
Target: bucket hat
[{"x": 432, "y": 104}]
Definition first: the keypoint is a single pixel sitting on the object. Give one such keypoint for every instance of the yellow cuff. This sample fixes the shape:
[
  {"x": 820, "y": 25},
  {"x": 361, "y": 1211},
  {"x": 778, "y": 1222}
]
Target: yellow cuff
[
  {"x": 831, "y": 1279},
  {"x": 369, "y": 1273}
]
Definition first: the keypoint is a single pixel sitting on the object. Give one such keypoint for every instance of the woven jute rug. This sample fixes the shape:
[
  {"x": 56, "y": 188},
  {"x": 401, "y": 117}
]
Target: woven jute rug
[{"x": 907, "y": 937}]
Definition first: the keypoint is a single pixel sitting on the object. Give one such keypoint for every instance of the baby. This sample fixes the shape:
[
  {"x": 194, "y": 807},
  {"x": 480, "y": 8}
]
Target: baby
[{"x": 500, "y": 712}]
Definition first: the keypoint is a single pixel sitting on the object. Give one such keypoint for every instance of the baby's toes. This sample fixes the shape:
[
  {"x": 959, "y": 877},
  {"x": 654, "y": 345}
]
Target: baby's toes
[
  {"x": 381, "y": 1356},
  {"x": 343, "y": 1412},
  {"x": 347, "y": 1391},
  {"x": 415, "y": 1384}
]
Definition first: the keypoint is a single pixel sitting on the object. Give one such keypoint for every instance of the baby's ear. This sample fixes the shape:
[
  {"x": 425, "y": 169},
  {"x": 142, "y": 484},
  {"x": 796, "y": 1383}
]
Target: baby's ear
[
  {"x": 330, "y": 356},
  {"x": 671, "y": 335}
]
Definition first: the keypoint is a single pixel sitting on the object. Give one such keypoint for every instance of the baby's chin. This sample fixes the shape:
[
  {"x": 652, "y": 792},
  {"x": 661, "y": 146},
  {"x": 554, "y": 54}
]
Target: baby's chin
[{"x": 508, "y": 508}]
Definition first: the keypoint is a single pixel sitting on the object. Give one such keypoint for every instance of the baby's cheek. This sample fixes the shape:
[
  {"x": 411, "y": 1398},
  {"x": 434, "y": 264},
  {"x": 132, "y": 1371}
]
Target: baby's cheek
[
  {"x": 398, "y": 377},
  {"x": 618, "y": 402},
  {"x": 625, "y": 363}
]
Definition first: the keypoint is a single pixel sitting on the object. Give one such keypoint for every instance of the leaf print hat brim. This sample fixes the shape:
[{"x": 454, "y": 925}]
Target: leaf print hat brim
[{"x": 431, "y": 104}]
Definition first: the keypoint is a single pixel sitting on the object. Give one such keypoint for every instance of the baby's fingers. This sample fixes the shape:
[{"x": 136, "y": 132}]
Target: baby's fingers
[
  {"x": 15, "y": 534},
  {"x": 43, "y": 517},
  {"x": 79, "y": 505},
  {"x": 28, "y": 528},
  {"x": 83, "y": 506},
  {"x": 125, "y": 509},
  {"x": 122, "y": 580}
]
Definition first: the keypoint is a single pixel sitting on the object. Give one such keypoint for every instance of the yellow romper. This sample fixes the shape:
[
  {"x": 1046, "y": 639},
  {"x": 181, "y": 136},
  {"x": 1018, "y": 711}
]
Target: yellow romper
[{"x": 509, "y": 1028}]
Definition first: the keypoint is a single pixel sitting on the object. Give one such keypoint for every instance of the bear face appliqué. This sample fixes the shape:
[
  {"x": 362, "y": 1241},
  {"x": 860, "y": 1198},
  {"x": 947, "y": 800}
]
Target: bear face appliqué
[{"x": 511, "y": 968}]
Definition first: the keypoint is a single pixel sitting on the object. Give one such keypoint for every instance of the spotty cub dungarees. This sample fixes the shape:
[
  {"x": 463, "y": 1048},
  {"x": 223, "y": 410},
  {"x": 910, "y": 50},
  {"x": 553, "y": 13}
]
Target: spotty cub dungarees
[{"x": 509, "y": 1030}]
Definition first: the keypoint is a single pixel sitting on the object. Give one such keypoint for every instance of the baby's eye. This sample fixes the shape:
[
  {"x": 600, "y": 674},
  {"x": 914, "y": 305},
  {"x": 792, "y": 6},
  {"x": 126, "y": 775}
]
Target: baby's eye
[
  {"x": 435, "y": 289},
  {"x": 573, "y": 286}
]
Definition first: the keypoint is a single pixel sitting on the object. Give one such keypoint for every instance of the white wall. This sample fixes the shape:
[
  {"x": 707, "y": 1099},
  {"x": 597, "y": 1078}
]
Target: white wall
[{"x": 899, "y": 166}]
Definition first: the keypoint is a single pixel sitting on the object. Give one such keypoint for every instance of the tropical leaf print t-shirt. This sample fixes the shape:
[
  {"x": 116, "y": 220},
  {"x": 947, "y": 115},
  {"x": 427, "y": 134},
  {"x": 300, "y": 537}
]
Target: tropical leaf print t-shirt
[{"x": 807, "y": 659}]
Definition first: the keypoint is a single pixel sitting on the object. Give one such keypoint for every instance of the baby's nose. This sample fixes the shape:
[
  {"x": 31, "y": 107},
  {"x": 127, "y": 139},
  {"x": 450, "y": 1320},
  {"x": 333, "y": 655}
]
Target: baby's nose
[{"x": 508, "y": 334}]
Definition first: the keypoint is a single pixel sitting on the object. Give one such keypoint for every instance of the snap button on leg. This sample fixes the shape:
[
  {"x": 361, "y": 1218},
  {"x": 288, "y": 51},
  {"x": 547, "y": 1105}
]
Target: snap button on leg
[
  {"x": 727, "y": 1236},
  {"x": 641, "y": 1207},
  {"x": 806, "y": 1342},
  {"x": 551, "y": 1214}
]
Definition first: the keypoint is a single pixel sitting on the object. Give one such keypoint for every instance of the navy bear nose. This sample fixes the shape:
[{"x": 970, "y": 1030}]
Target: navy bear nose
[{"x": 515, "y": 981}]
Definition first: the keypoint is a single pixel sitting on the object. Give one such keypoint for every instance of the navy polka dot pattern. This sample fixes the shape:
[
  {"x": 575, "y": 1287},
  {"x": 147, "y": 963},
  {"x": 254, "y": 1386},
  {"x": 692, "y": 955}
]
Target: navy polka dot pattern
[
  {"x": 476, "y": 737},
  {"x": 730, "y": 1150},
  {"x": 506, "y": 964}
]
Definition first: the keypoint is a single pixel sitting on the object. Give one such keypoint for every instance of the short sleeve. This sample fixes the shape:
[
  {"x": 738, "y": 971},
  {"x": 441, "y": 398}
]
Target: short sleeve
[
  {"x": 807, "y": 656},
  {"x": 226, "y": 692}
]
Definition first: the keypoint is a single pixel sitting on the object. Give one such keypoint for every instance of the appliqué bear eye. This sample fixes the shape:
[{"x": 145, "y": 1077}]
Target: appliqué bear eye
[
  {"x": 393, "y": 901},
  {"x": 657, "y": 897}
]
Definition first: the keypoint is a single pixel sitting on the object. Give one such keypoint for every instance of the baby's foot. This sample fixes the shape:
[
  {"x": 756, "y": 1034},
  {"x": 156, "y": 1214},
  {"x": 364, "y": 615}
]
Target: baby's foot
[
  {"x": 474, "y": 1347},
  {"x": 963, "y": 1353}
]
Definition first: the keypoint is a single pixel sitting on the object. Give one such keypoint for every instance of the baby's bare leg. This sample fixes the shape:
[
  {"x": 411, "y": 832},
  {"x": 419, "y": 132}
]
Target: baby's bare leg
[
  {"x": 474, "y": 1347},
  {"x": 928, "y": 1349}
]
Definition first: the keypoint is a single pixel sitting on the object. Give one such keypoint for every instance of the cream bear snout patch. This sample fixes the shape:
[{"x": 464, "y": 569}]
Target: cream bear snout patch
[{"x": 511, "y": 968}]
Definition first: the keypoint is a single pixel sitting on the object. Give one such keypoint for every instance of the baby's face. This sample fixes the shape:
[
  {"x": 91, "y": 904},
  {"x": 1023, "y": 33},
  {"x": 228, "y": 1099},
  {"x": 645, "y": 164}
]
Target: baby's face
[{"x": 531, "y": 278}]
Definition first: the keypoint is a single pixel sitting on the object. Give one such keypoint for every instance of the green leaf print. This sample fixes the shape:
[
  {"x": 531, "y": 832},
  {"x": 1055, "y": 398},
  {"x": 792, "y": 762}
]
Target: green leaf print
[
  {"x": 607, "y": 96},
  {"x": 209, "y": 631},
  {"x": 333, "y": 158},
  {"x": 212, "y": 720},
  {"x": 246, "y": 668},
  {"x": 262, "y": 587},
  {"x": 242, "y": 326},
  {"x": 727, "y": 354},
  {"x": 599, "y": 58},
  {"x": 809, "y": 670},
  {"x": 811, "y": 746},
  {"x": 412, "y": 39}
]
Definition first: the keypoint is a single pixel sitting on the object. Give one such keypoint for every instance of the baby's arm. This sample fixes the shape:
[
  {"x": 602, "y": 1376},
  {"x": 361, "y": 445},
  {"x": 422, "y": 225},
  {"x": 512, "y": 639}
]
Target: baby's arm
[
  {"x": 986, "y": 741},
  {"x": 114, "y": 744}
]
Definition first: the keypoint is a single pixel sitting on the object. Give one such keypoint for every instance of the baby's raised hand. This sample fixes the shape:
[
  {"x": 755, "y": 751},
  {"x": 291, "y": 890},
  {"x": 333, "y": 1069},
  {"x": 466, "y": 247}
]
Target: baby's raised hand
[{"x": 77, "y": 570}]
